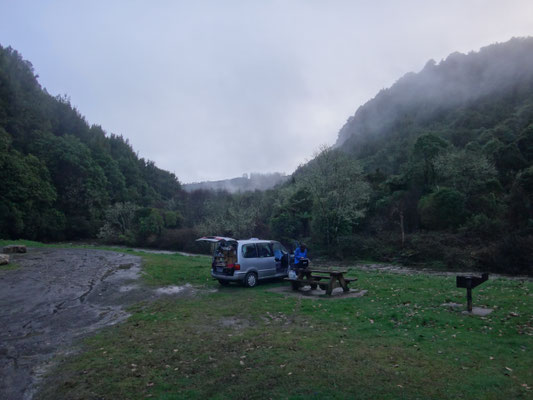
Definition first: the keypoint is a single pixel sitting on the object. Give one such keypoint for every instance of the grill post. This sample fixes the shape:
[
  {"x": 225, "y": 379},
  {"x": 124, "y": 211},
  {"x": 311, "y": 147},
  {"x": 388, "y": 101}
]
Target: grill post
[
  {"x": 469, "y": 282},
  {"x": 469, "y": 298}
]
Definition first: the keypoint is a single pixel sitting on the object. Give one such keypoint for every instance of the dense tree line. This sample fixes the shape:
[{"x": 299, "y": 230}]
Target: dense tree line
[
  {"x": 436, "y": 169},
  {"x": 58, "y": 174}
]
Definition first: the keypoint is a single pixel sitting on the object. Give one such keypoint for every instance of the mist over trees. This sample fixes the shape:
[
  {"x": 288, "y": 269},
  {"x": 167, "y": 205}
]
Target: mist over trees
[
  {"x": 445, "y": 149},
  {"x": 436, "y": 170},
  {"x": 246, "y": 183}
]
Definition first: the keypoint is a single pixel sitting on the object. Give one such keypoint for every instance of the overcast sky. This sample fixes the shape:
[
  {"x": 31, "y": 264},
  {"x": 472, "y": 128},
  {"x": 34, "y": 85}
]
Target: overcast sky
[{"x": 213, "y": 89}]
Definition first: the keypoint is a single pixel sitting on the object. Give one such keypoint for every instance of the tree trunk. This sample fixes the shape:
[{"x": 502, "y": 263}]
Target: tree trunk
[{"x": 402, "y": 228}]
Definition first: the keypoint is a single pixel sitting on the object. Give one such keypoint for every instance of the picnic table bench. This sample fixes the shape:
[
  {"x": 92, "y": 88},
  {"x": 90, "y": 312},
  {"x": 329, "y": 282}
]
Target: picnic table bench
[{"x": 325, "y": 279}]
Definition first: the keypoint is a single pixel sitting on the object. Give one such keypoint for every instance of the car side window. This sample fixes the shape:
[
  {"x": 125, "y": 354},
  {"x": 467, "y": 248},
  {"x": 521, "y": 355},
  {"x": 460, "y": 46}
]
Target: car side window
[
  {"x": 265, "y": 250},
  {"x": 249, "y": 251}
]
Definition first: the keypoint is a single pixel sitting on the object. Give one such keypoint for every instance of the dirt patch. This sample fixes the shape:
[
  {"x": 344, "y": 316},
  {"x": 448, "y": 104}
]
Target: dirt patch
[
  {"x": 55, "y": 297},
  {"x": 307, "y": 292},
  {"x": 277, "y": 318},
  {"x": 234, "y": 323},
  {"x": 477, "y": 311},
  {"x": 170, "y": 290}
]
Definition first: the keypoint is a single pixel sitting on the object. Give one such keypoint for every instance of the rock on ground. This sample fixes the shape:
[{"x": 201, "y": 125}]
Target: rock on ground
[
  {"x": 14, "y": 248},
  {"x": 4, "y": 259}
]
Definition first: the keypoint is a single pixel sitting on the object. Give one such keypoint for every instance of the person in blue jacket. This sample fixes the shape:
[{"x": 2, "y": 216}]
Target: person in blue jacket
[{"x": 299, "y": 254}]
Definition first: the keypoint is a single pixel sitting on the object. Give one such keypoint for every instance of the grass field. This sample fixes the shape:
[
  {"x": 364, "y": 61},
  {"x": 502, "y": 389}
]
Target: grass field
[{"x": 396, "y": 342}]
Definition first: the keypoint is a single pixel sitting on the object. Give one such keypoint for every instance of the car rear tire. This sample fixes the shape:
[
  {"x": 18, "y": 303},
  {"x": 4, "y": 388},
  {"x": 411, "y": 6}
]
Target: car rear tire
[
  {"x": 223, "y": 282},
  {"x": 250, "y": 280}
]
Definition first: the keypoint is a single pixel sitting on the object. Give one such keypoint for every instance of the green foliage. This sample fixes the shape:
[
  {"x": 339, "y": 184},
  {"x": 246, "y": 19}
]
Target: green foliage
[
  {"x": 182, "y": 239},
  {"x": 429, "y": 146},
  {"x": 488, "y": 203},
  {"x": 27, "y": 196},
  {"x": 465, "y": 171},
  {"x": 119, "y": 225},
  {"x": 79, "y": 181},
  {"x": 284, "y": 226},
  {"x": 425, "y": 151},
  {"x": 292, "y": 213},
  {"x": 172, "y": 219},
  {"x": 509, "y": 159},
  {"x": 240, "y": 215},
  {"x": 482, "y": 226},
  {"x": 521, "y": 198},
  {"x": 492, "y": 148},
  {"x": 511, "y": 255},
  {"x": 442, "y": 209},
  {"x": 150, "y": 223},
  {"x": 59, "y": 173},
  {"x": 464, "y": 125},
  {"x": 525, "y": 143},
  {"x": 340, "y": 194}
]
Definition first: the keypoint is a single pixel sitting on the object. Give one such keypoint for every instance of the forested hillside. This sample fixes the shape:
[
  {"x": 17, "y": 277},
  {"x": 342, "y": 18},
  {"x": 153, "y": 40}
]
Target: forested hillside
[
  {"x": 465, "y": 99},
  {"x": 450, "y": 149},
  {"x": 436, "y": 170},
  {"x": 58, "y": 174}
]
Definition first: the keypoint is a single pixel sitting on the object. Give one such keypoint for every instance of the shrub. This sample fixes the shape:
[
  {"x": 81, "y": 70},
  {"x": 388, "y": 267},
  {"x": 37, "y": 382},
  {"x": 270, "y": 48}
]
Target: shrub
[
  {"x": 150, "y": 224},
  {"x": 183, "y": 239},
  {"x": 442, "y": 250},
  {"x": 378, "y": 248},
  {"x": 119, "y": 223},
  {"x": 512, "y": 255},
  {"x": 442, "y": 209},
  {"x": 172, "y": 219},
  {"x": 482, "y": 226}
]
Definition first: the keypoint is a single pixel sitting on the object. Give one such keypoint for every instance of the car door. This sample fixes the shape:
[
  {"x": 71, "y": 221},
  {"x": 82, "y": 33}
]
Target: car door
[
  {"x": 281, "y": 258},
  {"x": 266, "y": 260},
  {"x": 249, "y": 260}
]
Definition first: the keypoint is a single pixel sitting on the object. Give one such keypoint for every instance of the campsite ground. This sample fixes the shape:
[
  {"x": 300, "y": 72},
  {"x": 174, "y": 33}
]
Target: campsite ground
[{"x": 397, "y": 341}]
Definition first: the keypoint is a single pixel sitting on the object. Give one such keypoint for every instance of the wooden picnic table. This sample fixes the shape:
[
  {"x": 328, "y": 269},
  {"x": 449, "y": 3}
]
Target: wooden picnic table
[{"x": 325, "y": 279}]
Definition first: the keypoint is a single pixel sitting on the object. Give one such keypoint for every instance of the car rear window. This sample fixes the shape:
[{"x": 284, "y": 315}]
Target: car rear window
[{"x": 249, "y": 250}]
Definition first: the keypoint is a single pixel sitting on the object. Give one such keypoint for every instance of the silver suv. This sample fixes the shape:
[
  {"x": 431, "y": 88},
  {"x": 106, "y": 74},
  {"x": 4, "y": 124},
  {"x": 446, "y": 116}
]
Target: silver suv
[{"x": 247, "y": 261}]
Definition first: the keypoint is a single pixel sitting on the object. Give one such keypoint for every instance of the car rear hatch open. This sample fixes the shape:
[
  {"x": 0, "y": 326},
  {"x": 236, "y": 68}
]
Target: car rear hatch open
[
  {"x": 215, "y": 239},
  {"x": 224, "y": 254}
]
